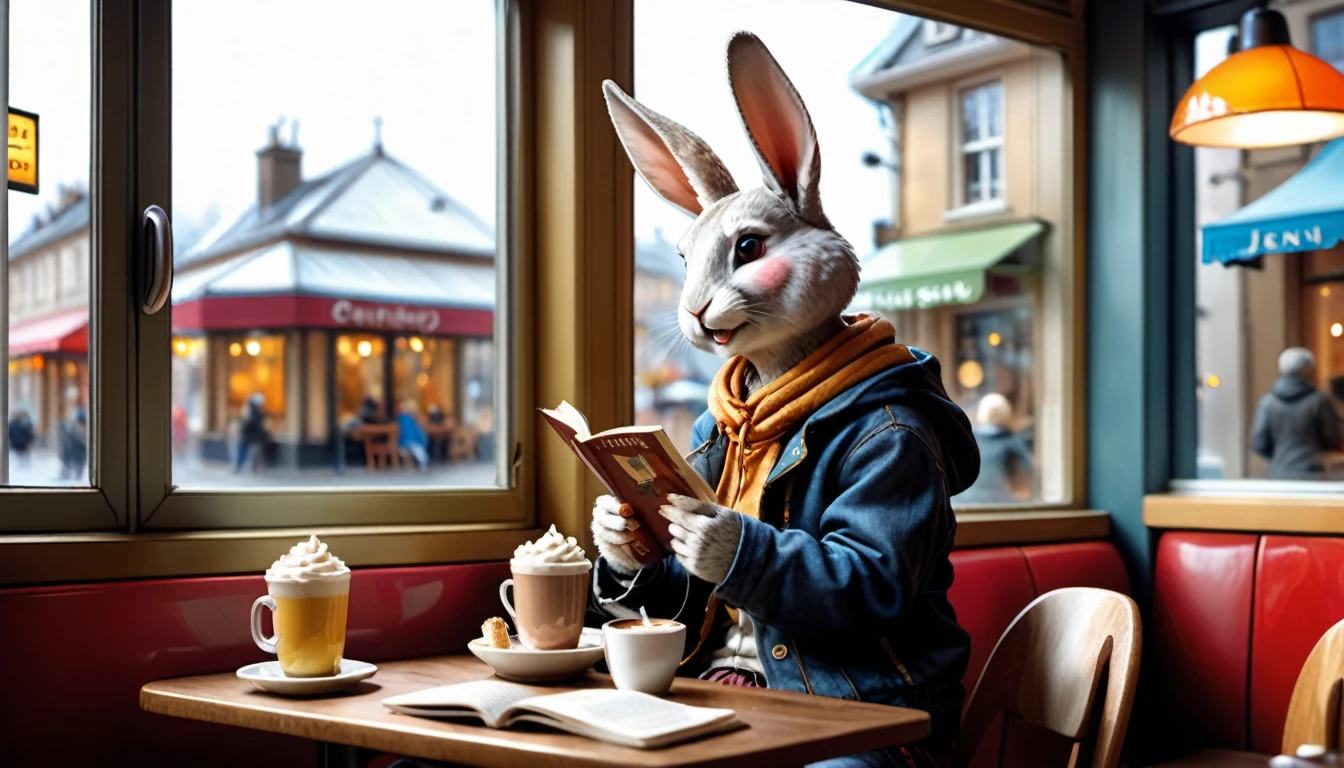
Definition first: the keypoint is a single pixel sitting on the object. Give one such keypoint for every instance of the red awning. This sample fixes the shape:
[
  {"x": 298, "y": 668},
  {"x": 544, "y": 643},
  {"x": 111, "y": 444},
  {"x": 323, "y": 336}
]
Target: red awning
[{"x": 64, "y": 332}]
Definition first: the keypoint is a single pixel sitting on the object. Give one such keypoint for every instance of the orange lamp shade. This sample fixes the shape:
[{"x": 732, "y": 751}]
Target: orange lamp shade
[{"x": 1268, "y": 96}]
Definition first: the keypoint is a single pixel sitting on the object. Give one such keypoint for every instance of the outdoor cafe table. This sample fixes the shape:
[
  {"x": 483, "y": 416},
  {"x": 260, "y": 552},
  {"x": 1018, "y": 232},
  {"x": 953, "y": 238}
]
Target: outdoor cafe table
[{"x": 783, "y": 728}]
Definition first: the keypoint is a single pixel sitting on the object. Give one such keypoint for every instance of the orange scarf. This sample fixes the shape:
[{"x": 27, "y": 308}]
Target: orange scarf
[{"x": 757, "y": 424}]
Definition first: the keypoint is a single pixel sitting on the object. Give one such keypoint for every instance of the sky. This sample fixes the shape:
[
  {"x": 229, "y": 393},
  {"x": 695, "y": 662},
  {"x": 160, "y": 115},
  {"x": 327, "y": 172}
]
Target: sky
[{"x": 241, "y": 66}]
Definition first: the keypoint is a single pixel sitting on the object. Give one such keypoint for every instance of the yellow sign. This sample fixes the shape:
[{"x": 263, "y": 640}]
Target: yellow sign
[{"x": 22, "y": 151}]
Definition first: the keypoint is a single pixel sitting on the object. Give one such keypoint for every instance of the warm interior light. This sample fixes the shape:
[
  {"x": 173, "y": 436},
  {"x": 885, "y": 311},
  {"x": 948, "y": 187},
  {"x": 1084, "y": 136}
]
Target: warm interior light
[
  {"x": 70, "y": 369},
  {"x": 235, "y": 349},
  {"x": 254, "y": 347},
  {"x": 365, "y": 348},
  {"x": 970, "y": 374},
  {"x": 417, "y": 344},
  {"x": 1269, "y": 94},
  {"x": 422, "y": 379},
  {"x": 180, "y": 347},
  {"x": 1213, "y": 381},
  {"x": 1337, "y": 330},
  {"x": 1325, "y": 290},
  {"x": 39, "y": 362},
  {"x": 994, "y": 339},
  {"x": 343, "y": 346}
]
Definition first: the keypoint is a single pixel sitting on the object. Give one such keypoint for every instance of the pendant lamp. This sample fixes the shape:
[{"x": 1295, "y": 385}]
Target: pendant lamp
[{"x": 1269, "y": 94}]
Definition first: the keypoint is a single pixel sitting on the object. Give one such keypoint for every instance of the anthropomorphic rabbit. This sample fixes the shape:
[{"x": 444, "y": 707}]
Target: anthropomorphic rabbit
[{"x": 835, "y": 451}]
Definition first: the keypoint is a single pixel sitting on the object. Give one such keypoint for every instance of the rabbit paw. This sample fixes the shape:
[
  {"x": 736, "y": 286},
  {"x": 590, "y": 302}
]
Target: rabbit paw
[
  {"x": 704, "y": 536},
  {"x": 612, "y": 532}
]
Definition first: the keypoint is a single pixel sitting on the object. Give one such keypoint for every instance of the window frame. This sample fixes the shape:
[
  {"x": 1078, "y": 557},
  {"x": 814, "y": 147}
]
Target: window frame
[
  {"x": 105, "y": 504},
  {"x": 164, "y": 505},
  {"x": 572, "y": 219}
]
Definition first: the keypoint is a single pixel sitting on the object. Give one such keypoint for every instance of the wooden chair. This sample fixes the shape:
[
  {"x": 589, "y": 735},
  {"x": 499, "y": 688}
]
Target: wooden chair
[
  {"x": 1314, "y": 710},
  {"x": 463, "y": 444},
  {"x": 380, "y": 445},
  {"x": 1046, "y": 671}
]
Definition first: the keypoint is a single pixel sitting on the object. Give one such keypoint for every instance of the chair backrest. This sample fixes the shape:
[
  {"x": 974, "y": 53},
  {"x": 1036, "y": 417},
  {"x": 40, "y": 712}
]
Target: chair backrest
[
  {"x": 1047, "y": 668},
  {"x": 1314, "y": 711}
]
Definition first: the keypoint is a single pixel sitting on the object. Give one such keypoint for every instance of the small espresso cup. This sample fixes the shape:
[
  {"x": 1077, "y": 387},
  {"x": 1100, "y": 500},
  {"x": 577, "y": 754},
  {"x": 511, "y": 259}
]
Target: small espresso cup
[
  {"x": 549, "y": 601},
  {"x": 309, "y": 625},
  {"x": 642, "y": 658}
]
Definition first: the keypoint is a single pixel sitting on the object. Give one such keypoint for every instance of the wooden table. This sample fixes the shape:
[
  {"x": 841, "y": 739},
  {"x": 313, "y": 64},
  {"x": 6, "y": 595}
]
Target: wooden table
[{"x": 784, "y": 728}]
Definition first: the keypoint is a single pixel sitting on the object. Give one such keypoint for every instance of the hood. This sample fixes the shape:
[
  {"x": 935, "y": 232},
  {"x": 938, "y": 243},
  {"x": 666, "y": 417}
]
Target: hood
[
  {"x": 918, "y": 386},
  {"x": 1290, "y": 388}
]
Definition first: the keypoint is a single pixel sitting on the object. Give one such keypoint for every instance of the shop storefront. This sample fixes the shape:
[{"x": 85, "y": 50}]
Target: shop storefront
[{"x": 334, "y": 305}]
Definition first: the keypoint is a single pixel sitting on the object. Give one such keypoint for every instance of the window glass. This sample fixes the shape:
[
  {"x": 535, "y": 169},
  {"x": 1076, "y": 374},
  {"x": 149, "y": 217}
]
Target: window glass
[
  {"x": 912, "y": 132},
  {"x": 981, "y": 153},
  {"x": 46, "y": 412},
  {"x": 337, "y": 285},
  {"x": 1269, "y": 350},
  {"x": 1327, "y": 37}
]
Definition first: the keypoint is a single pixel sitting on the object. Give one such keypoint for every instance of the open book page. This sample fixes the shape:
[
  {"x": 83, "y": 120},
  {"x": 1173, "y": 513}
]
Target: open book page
[
  {"x": 568, "y": 421},
  {"x": 625, "y": 717},
  {"x": 489, "y": 700}
]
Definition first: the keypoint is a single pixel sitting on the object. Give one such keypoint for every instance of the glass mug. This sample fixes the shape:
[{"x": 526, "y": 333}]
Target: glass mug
[{"x": 309, "y": 624}]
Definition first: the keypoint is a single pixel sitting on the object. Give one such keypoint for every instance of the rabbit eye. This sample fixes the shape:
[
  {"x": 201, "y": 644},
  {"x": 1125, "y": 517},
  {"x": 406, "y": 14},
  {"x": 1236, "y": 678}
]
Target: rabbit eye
[{"x": 750, "y": 247}]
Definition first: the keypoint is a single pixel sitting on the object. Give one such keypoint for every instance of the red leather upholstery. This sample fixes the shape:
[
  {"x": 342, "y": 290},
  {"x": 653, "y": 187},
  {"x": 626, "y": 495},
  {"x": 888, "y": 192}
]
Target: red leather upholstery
[
  {"x": 1202, "y": 630},
  {"x": 78, "y": 655},
  {"x": 990, "y": 587},
  {"x": 1080, "y": 564},
  {"x": 1299, "y": 594}
]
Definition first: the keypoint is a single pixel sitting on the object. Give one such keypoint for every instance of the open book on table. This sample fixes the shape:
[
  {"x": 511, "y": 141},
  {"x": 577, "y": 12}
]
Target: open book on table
[
  {"x": 621, "y": 717},
  {"x": 638, "y": 465}
]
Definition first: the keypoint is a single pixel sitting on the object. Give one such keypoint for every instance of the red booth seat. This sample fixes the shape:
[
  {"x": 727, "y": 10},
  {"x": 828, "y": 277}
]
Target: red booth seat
[
  {"x": 79, "y": 653},
  {"x": 1234, "y": 618}
]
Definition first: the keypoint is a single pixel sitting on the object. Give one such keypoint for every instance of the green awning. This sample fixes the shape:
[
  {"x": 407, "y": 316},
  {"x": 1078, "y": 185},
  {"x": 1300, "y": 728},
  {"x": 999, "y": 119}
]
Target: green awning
[{"x": 950, "y": 268}]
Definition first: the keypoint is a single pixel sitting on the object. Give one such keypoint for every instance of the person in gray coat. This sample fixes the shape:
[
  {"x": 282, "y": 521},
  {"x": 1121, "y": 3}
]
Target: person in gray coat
[{"x": 1295, "y": 423}]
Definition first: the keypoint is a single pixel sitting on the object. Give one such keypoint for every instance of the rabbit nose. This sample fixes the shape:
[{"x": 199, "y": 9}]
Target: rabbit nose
[{"x": 697, "y": 315}]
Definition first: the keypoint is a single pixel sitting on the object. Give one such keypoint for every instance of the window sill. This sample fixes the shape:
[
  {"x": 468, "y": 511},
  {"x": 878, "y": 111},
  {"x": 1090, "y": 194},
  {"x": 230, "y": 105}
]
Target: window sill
[
  {"x": 50, "y": 558},
  {"x": 1256, "y": 514},
  {"x": 979, "y": 210},
  {"x": 1037, "y": 526},
  {"x": 81, "y": 557}
]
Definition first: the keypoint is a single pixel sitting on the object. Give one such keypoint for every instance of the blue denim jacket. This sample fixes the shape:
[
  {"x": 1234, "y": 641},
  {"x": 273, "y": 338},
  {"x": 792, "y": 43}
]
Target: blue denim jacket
[{"x": 845, "y": 577}]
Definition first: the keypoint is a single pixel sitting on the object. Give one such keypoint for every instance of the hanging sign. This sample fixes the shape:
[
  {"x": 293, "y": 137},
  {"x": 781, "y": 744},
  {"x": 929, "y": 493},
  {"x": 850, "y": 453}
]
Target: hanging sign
[{"x": 22, "y": 151}]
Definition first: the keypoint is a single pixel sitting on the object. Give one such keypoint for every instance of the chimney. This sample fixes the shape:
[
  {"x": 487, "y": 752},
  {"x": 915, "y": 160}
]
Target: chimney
[{"x": 278, "y": 167}]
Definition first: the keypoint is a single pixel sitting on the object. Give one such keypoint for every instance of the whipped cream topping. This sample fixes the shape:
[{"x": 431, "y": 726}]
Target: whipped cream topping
[
  {"x": 550, "y": 549},
  {"x": 307, "y": 561}
]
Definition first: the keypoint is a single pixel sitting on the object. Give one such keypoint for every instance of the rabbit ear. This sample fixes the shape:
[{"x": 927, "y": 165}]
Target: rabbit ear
[
  {"x": 778, "y": 125},
  {"x": 679, "y": 165}
]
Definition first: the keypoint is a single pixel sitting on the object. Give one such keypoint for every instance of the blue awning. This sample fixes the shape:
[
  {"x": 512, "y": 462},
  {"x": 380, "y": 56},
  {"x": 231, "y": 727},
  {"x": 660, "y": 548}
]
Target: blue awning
[{"x": 1304, "y": 213}]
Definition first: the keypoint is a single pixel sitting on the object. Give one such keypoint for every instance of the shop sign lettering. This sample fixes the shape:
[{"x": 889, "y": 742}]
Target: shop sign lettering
[
  {"x": 918, "y": 297},
  {"x": 385, "y": 317},
  {"x": 1269, "y": 241}
]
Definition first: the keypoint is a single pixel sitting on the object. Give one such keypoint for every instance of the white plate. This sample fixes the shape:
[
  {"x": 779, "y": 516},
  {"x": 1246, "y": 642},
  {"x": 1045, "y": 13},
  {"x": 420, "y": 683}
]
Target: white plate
[
  {"x": 527, "y": 666},
  {"x": 269, "y": 677}
]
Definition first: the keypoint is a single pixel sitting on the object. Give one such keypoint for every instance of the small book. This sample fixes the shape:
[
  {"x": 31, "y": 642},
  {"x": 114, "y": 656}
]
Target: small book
[
  {"x": 638, "y": 465},
  {"x": 628, "y": 718}
]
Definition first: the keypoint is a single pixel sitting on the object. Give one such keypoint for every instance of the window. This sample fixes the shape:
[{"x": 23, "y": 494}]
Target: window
[
  {"x": 46, "y": 411},
  {"x": 889, "y": 99},
  {"x": 335, "y": 274},
  {"x": 1269, "y": 357},
  {"x": 1327, "y": 37},
  {"x": 981, "y": 157}
]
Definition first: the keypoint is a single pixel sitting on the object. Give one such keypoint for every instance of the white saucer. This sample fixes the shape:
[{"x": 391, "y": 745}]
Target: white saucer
[
  {"x": 524, "y": 665},
  {"x": 268, "y": 676}
]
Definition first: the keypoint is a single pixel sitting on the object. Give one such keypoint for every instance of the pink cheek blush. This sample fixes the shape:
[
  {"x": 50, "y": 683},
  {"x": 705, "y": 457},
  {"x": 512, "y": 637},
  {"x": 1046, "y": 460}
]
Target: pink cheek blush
[{"x": 771, "y": 275}]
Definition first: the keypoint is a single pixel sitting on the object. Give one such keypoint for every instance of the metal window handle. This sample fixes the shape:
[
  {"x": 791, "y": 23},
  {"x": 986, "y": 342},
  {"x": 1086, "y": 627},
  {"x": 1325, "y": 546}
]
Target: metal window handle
[{"x": 158, "y": 260}]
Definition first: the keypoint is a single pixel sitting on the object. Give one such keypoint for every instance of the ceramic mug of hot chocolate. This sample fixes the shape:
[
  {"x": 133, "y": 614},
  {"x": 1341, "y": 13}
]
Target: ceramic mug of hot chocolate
[
  {"x": 550, "y": 592},
  {"x": 641, "y": 657}
]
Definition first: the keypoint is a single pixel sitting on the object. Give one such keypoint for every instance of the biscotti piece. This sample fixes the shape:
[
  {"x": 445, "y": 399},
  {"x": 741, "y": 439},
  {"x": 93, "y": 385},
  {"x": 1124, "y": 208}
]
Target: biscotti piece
[{"x": 496, "y": 632}]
